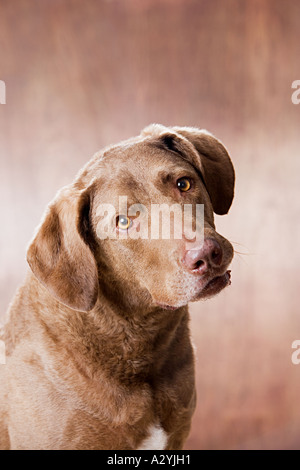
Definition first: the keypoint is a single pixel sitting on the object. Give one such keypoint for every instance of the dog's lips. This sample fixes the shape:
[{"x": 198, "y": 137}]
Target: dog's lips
[
  {"x": 216, "y": 284},
  {"x": 211, "y": 288}
]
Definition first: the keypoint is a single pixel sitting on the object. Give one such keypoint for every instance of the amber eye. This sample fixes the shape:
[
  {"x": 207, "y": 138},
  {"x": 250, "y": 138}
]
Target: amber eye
[
  {"x": 123, "y": 222},
  {"x": 183, "y": 184}
]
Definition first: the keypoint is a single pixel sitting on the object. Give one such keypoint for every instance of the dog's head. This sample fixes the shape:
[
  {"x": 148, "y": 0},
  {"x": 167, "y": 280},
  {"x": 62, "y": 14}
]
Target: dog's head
[{"x": 99, "y": 238}]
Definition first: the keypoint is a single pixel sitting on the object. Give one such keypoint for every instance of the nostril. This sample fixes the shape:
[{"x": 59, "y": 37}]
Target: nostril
[
  {"x": 199, "y": 263},
  {"x": 203, "y": 257},
  {"x": 215, "y": 253}
]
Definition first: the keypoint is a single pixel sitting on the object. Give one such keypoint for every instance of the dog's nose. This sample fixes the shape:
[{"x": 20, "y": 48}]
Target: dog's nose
[{"x": 201, "y": 258}]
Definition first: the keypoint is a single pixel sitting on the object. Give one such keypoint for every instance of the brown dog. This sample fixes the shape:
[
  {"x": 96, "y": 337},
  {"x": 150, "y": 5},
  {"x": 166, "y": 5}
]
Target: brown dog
[{"x": 97, "y": 339}]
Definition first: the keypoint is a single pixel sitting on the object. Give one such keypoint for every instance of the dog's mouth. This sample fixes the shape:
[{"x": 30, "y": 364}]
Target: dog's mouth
[
  {"x": 215, "y": 285},
  {"x": 211, "y": 288}
]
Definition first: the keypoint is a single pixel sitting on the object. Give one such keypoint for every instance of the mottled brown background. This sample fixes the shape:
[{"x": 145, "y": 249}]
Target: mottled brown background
[{"x": 81, "y": 75}]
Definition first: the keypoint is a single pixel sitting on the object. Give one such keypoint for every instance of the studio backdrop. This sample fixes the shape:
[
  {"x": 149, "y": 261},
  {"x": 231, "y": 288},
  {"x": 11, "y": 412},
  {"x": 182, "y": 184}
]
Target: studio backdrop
[{"x": 76, "y": 76}]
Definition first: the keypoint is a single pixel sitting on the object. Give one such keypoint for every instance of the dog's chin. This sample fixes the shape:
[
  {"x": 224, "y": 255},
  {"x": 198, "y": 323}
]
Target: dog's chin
[{"x": 206, "y": 290}]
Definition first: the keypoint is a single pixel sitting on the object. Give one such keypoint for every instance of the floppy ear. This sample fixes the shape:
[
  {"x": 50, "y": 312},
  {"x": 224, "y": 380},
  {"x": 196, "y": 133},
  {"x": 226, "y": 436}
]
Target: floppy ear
[
  {"x": 59, "y": 255},
  {"x": 214, "y": 164}
]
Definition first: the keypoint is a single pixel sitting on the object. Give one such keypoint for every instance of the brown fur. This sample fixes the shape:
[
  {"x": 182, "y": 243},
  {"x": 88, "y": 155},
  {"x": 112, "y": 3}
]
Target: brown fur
[{"x": 95, "y": 355}]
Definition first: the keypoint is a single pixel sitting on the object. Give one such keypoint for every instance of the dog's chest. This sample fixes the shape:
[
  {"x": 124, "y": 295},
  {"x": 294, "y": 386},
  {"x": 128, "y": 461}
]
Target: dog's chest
[{"x": 156, "y": 439}]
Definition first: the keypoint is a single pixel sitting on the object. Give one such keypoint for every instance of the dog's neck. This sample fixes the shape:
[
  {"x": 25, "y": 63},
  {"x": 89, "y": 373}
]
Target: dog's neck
[
  {"x": 132, "y": 346},
  {"x": 128, "y": 349}
]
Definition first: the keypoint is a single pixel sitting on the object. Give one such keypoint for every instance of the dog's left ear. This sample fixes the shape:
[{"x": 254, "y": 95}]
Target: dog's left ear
[
  {"x": 206, "y": 153},
  {"x": 215, "y": 166},
  {"x": 60, "y": 256}
]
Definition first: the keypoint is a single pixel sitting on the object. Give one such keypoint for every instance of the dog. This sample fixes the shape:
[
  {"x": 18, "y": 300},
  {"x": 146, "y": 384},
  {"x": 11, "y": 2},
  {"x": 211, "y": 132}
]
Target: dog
[{"x": 98, "y": 349}]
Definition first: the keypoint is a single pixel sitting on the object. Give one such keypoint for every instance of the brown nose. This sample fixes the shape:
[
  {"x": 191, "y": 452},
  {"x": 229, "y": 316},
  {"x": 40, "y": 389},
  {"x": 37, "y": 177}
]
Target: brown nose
[{"x": 201, "y": 258}]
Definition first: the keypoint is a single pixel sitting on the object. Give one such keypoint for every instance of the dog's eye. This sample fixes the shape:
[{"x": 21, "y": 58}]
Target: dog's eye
[
  {"x": 183, "y": 184},
  {"x": 123, "y": 222}
]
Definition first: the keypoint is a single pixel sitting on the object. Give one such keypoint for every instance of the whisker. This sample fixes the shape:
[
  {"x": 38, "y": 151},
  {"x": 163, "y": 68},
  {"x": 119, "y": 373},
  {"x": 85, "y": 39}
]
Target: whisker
[
  {"x": 236, "y": 243},
  {"x": 239, "y": 256},
  {"x": 241, "y": 252}
]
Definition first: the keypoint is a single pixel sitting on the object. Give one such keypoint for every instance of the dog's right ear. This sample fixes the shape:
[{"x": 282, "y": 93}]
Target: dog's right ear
[{"x": 59, "y": 255}]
